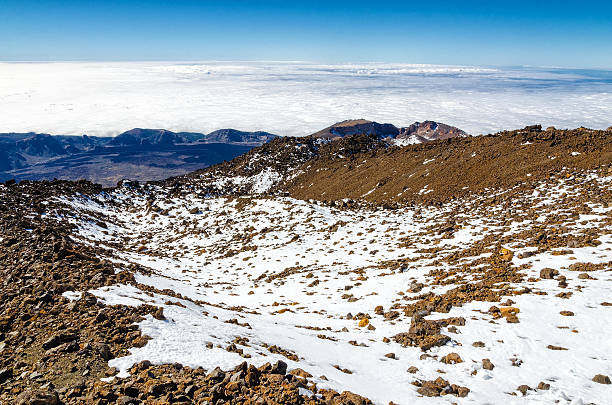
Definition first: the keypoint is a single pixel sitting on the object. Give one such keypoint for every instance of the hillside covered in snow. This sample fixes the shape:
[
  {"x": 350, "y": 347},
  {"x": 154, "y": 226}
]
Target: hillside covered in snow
[{"x": 312, "y": 270}]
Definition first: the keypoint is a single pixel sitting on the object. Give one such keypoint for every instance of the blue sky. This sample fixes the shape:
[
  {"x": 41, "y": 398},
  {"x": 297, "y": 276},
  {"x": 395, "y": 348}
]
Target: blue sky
[{"x": 543, "y": 33}]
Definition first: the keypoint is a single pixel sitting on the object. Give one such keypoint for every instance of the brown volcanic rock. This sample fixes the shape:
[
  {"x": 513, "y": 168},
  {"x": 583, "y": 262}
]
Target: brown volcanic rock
[
  {"x": 440, "y": 171},
  {"x": 425, "y": 333},
  {"x": 283, "y": 156},
  {"x": 440, "y": 386},
  {"x": 64, "y": 346},
  {"x": 177, "y": 384}
]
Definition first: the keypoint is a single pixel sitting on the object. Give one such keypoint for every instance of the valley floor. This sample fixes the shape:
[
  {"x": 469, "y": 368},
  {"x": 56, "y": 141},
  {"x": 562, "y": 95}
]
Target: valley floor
[{"x": 520, "y": 281}]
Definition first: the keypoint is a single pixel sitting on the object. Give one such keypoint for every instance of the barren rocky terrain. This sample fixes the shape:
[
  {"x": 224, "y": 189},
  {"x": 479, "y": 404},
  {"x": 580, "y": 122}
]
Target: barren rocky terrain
[{"x": 349, "y": 271}]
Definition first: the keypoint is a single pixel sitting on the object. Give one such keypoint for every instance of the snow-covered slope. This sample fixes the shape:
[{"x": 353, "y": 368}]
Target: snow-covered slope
[{"x": 341, "y": 293}]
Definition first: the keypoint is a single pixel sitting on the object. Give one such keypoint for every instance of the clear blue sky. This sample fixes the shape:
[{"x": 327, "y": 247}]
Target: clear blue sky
[{"x": 535, "y": 32}]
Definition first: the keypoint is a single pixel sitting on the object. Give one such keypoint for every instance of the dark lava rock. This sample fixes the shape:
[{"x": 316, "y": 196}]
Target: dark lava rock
[{"x": 280, "y": 367}]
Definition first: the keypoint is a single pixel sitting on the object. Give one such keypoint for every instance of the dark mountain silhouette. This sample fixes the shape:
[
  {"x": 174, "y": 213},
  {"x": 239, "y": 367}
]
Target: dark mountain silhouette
[
  {"x": 138, "y": 136},
  {"x": 138, "y": 154},
  {"x": 418, "y": 132},
  {"x": 360, "y": 126},
  {"x": 235, "y": 136},
  {"x": 41, "y": 145}
]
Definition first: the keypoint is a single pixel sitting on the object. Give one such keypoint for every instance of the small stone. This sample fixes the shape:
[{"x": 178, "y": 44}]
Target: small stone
[
  {"x": 280, "y": 367},
  {"x": 511, "y": 318},
  {"x": 487, "y": 365},
  {"x": 5, "y": 374},
  {"x": 159, "y": 314},
  {"x": 523, "y": 389},
  {"x": 251, "y": 379},
  {"x": 127, "y": 400},
  {"x": 552, "y": 347},
  {"x": 191, "y": 389},
  {"x": 52, "y": 342},
  {"x": 275, "y": 378},
  {"x": 462, "y": 391},
  {"x": 104, "y": 351},
  {"x": 111, "y": 372},
  {"x": 548, "y": 273},
  {"x": 601, "y": 379},
  {"x": 217, "y": 374},
  {"x": 452, "y": 358},
  {"x": 35, "y": 375},
  {"x": 390, "y": 355},
  {"x": 543, "y": 386},
  {"x": 233, "y": 386},
  {"x": 391, "y": 315},
  {"x": 37, "y": 397},
  {"x": 428, "y": 391},
  {"x": 412, "y": 369},
  {"x": 567, "y": 313},
  {"x": 236, "y": 376},
  {"x": 300, "y": 373},
  {"x": 478, "y": 344}
]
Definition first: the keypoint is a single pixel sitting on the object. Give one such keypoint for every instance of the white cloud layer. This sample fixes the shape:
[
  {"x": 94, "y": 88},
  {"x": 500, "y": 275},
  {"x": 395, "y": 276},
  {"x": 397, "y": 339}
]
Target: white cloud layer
[{"x": 293, "y": 98}]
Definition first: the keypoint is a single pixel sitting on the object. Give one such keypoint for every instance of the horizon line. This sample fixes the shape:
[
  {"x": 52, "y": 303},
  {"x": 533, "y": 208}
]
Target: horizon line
[{"x": 292, "y": 61}]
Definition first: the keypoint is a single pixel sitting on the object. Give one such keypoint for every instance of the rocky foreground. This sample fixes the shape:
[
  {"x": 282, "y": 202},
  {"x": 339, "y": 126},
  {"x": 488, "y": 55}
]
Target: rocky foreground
[
  {"x": 55, "y": 350},
  {"x": 181, "y": 292}
]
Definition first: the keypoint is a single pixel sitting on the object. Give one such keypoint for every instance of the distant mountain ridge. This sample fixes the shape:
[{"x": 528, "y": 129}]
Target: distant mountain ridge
[
  {"x": 230, "y": 135},
  {"x": 23, "y": 149},
  {"x": 138, "y": 154},
  {"x": 155, "y": 154},
  {"x": 139, "y": 136},
  {"x": 418, "y": 132}
]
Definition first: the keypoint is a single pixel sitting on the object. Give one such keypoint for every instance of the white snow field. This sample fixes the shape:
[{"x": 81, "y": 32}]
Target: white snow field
[
  {"x": 255, "y": 272},
  {"x": 293, "y": 98}
]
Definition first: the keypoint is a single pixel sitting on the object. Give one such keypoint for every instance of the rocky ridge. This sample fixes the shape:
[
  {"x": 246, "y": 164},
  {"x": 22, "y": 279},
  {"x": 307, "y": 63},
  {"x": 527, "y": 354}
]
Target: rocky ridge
[
  {"x": 369, "y": 169},
  {"x": 417, "y": 132}
]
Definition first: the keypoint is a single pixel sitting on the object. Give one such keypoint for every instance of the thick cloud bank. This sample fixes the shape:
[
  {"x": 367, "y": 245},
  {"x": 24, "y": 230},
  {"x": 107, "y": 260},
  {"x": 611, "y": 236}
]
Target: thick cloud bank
[{"x": 293, "y": 98}]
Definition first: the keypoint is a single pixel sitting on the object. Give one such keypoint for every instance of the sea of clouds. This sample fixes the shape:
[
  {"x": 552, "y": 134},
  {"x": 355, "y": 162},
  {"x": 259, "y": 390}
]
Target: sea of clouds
[{"x": 293, "y": 98}]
